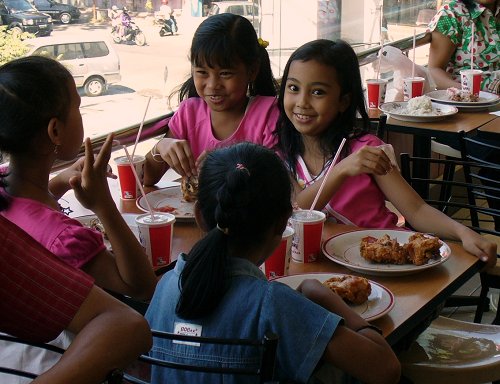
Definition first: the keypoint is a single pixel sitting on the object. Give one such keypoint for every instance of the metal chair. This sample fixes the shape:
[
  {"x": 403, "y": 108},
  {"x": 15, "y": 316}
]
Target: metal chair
[
  {"x": 472, "y": 194},
  {"x": 265, "y": 350},
  {"x": 452, "y": 351}
]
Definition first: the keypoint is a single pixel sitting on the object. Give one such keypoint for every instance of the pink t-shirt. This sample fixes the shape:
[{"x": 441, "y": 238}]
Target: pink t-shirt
[
  {"x": 192, "y": 122},
  {"x": 359, "y": 200},
  {"x": 65, "y": 237}
]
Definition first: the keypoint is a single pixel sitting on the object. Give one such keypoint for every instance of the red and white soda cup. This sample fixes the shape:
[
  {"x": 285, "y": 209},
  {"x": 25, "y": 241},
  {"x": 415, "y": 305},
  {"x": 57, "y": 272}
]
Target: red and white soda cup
[
  {"x": 155, "y": 235},
  {"x": 413, "y": 87},
  {"x": 129, "y": 189},
  {"x": 376, "y": 89},
  {"x": 278, "y": 263},
  {"x": 308, "y": 227},
  {"x": 471, "y": 80}
]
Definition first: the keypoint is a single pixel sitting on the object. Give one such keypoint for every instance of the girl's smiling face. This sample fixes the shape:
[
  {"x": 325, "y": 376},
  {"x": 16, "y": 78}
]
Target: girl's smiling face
[
  {"x": 223, "y": 89},
  {"x": 312, "y": 98}
]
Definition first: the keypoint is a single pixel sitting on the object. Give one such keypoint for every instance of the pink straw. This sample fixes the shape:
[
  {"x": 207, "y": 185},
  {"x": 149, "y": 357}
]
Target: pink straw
[
  {"x": 414, "y": 45},
  {"x": 472, "y": 47},
  {"x": 140, "y": 128},
  {"x": 138, "y": 181},
  {"x": 327, "y": 173}
]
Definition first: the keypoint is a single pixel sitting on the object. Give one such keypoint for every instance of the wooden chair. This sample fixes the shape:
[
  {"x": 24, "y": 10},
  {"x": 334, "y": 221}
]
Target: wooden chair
[
  {"x": 451, "y": 351},
  {"x": 265, "y": 350},
  {"x": 472, "y": 194}
]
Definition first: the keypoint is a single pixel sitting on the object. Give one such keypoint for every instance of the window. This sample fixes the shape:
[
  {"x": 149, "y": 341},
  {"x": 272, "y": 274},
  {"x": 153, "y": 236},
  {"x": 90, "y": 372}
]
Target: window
[{"x": 97, "y": 49}]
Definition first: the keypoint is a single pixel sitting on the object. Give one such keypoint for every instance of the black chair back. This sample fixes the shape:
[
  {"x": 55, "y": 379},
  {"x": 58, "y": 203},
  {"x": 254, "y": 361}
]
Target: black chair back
[{"x": 266, "y": 350}]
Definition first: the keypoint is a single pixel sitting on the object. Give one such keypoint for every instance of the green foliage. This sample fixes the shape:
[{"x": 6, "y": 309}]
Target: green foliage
[{"x": 12, "y": 45}]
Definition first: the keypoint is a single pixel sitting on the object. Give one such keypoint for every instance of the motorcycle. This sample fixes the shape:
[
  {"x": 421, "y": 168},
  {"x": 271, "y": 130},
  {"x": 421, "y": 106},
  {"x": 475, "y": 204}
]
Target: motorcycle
[
  {"x": 132, "y": 33},
  {"x": 168, "y": 26}
]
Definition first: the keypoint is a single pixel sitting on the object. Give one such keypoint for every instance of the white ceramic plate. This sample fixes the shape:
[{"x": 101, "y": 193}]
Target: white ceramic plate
[
  {"x": 380, "y": 301},
  {"x": 396, "y": 110},
  {"x": 486, "y": 100},
  {"x": 128, "y": 217},
  {"x": 344, "y": 249},
  {"x": 171, "y": 197}
]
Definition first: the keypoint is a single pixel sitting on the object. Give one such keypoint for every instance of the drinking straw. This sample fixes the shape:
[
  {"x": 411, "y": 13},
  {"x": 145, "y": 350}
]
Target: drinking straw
[
  {"x": 381, "y": 45},
  {"x": 413, "y": 62},
  {"x": 140, "y": 128},
  {"x": 327, "y": 173},
  {"x": 138, "y": 181},
  {"x": 472, "y": 47}
]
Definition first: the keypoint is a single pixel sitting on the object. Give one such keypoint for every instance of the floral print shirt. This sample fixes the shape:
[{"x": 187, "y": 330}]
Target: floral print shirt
[{"x": 454, "y": 20}]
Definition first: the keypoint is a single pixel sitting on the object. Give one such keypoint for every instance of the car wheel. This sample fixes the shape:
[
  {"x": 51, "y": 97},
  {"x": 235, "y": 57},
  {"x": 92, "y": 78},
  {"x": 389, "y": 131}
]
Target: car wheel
[
  {"x": 65, "y": 18},
  {"x": 94, "y": 86}
]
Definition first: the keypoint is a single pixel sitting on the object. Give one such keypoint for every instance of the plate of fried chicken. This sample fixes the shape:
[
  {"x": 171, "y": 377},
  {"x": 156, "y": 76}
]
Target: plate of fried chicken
[
  {"x": 367, "y": 298},
  {"x": 386, "y": 252}
]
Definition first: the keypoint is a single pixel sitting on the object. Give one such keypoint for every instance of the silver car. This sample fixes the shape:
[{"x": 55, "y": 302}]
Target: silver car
[{"x": 247, "y": 9}]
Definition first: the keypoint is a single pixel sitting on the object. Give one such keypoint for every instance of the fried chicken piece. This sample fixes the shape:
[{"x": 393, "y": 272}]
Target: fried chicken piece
[
  {"x": 189, "y": 188},
  {"x": 421, "y": 248},
  {"x": 352, "y": 289},
  {"x": 383, "y": 250}
]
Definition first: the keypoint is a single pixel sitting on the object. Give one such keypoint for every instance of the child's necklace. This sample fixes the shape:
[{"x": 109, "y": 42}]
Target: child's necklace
[{"x": 42, "y": 189}]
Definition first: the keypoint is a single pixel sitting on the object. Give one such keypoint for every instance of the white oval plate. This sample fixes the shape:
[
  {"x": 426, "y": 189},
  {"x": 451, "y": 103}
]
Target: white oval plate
[
  {"x": 380, "y": 301},
  {"x": 171, "y": 196},
  {"x": 344, "y": 250},
  {"x": 396, "y": 109},
  {"x": 486, "y": 99},
  {"x": 128, "y": 217}
]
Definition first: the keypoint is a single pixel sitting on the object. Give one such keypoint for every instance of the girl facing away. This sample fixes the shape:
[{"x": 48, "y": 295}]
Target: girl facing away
[
  {"x": 320, "y": 97},
  {"x": 41, "y": 122},
  {"x": 218, "y": 289},
  {"x": 229, "y": 98}
]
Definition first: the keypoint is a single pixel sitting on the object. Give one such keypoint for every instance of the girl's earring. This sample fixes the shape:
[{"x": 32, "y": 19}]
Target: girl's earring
[{"x": 56, "y": 149}]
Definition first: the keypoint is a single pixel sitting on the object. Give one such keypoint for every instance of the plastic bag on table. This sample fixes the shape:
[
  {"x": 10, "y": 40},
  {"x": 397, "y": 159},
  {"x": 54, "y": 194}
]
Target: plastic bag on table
[{"x": 394, "y": 59}]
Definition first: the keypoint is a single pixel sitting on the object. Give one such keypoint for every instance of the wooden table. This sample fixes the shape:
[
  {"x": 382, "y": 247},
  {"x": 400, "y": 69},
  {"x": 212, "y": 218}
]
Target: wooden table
[
  {"x": 417, "y": 296},
  {"x": 491, "y": 130}
]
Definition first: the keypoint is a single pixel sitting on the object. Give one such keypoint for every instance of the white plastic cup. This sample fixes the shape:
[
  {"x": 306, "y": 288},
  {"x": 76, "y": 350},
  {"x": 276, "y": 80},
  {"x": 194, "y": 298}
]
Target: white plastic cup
[
  {"x": 376, "y": 89},
  {"x": 278, "y": 263},
  {"x": 308, "y": 227},
  {"x": 471, "y": 80},
  {"x": 413, "y": 87},
  {"x": 156, "y": 236},
  {"x": 129, "y": 189}
]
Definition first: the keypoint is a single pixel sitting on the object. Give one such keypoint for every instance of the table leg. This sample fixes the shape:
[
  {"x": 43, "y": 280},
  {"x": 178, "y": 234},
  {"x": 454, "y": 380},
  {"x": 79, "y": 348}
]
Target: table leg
[{"x": 421, "y": 148}]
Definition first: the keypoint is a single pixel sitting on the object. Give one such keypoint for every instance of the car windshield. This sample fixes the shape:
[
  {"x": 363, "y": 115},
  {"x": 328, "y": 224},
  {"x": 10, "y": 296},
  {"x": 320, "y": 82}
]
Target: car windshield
[{"x": 19, "y": 5}]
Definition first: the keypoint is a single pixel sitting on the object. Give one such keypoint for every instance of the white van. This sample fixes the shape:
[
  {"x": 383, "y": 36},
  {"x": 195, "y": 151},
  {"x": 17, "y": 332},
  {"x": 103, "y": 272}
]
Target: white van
[{"x": 92, "y": 61}]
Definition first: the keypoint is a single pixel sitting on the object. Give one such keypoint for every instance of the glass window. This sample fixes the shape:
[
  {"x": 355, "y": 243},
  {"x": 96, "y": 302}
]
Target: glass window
[{"x": 95, "y": 49}]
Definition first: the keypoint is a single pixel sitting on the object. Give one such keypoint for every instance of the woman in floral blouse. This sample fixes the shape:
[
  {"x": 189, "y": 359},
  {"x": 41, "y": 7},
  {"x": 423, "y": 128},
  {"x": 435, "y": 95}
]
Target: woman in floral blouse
[{"x": 451, "y": 42}]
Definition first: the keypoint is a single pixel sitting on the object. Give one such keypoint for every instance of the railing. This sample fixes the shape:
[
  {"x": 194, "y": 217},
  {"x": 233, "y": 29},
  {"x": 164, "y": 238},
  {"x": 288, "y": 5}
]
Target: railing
[{"x": 158, "y": 125}]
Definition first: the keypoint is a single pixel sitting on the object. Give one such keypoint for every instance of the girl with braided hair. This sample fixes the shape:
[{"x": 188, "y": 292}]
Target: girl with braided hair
[{"x": 217, "y": 290}]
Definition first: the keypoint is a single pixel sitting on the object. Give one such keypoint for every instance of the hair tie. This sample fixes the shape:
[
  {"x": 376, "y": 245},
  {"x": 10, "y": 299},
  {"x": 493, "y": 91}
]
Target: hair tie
[
  {"x": 225, "y": 231},
  {"x": 263, "y": 43},
  {"x": 241, "y": 167}
]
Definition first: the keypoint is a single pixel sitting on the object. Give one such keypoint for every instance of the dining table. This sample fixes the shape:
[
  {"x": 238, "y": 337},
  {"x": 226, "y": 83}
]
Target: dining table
[
  {"x": 491, "y": 130},
  {"x": 418, "y": 297},
  {"x": 447, "y": 130}
]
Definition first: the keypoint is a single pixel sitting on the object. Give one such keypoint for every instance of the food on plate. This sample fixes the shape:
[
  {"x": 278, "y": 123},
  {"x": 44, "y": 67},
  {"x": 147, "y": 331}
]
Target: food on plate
[
  {"x": 455, "y": 94},
  {"x": 383, "y": 250},
  {"x": 189, "y": 188},
  {"x": 353, "y": 289},
  {"x": 96, "y": 224},
  {"x": 418, "y": 250},
  {"x": 421, "y": 105},
  {"x": 165, "y": 208}
]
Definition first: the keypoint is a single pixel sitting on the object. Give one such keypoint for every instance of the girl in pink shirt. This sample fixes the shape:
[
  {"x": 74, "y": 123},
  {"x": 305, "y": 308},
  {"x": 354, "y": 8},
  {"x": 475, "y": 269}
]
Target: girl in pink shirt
[
  {"x": 320, "y": 97},
  {"x": 229, "y": 98}
]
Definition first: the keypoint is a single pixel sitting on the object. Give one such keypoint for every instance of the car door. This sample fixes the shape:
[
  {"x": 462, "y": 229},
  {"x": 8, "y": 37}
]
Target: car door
[{"x": 72, "y": 57}]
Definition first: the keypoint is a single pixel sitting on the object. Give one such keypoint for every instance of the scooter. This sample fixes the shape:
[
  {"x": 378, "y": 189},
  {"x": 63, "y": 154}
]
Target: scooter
[
  {"x": 133, "y": 33},
  {"x": 168, "y": 26}
]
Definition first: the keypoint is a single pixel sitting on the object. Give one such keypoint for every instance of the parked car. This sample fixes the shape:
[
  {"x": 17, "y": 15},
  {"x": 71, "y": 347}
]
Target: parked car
[
  {"x": 65, "y": 13},
  {"x": 20, "y": 16},
  {"x": 91, "y": 60},
  {"x": 246, "y": 9}
]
